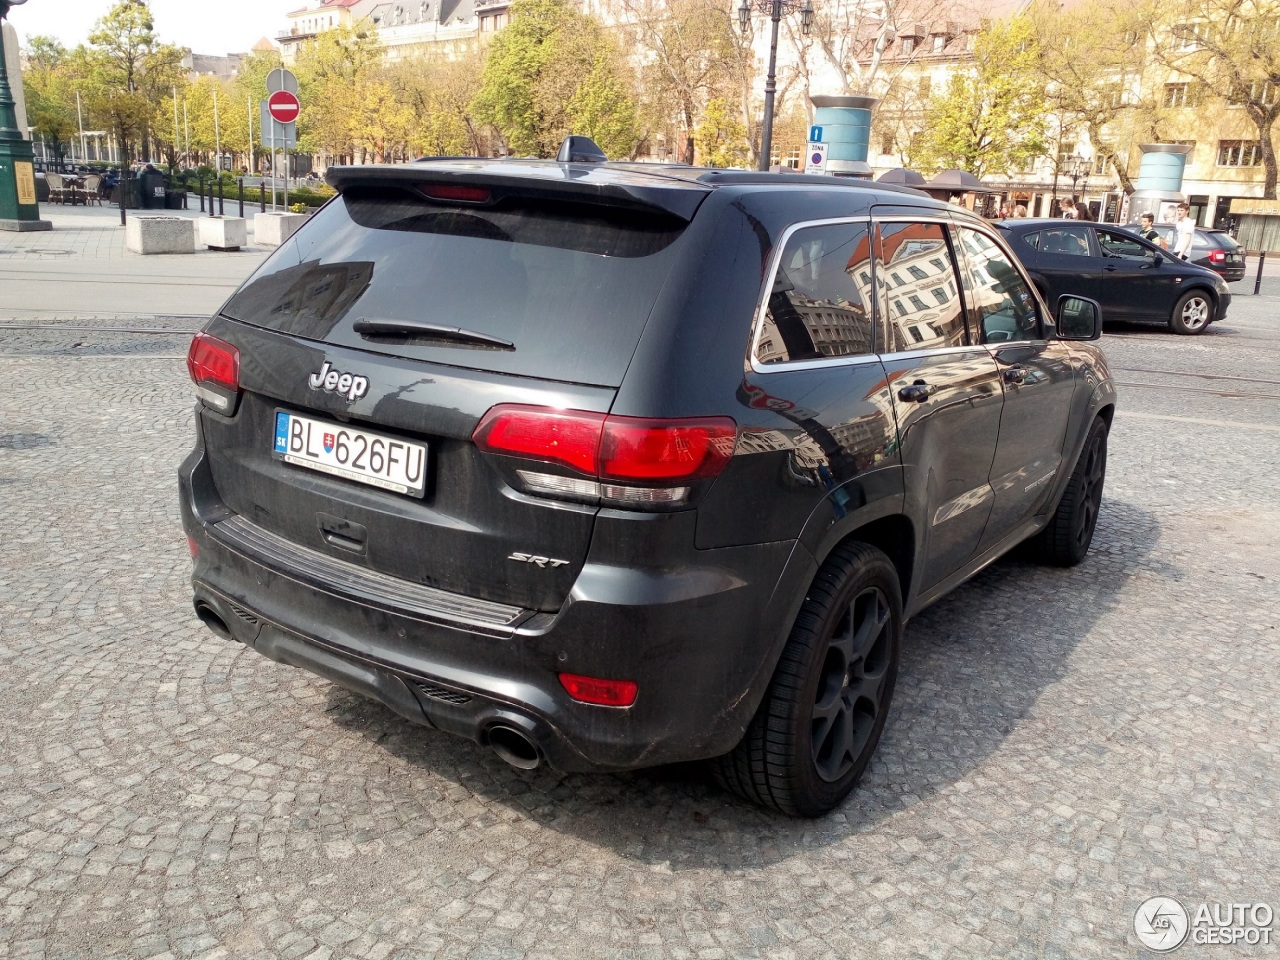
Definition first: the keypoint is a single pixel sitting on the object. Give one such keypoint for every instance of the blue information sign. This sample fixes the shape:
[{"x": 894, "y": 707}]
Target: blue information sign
[{"x": 815, "y": 133}]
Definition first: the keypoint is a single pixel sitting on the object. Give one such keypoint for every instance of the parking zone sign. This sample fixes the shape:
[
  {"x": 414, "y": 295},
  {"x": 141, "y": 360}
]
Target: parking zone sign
[{"x": 816, "y": 158}]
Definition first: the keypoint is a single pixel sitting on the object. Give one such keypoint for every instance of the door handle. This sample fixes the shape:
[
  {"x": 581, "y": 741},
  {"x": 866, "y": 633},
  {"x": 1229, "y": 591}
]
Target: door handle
[
  {"x": 1110, "y": 269},
  {"x": 1014, "y": 375},
  {"x": 917, "y": 392}
]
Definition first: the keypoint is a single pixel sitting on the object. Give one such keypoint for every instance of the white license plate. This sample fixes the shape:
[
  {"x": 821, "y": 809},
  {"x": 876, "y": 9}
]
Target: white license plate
[{"x": 359, "y": 455}]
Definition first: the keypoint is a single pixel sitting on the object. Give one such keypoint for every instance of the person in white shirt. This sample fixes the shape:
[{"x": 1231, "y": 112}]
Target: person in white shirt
[{"x": 1186, "y": 232}]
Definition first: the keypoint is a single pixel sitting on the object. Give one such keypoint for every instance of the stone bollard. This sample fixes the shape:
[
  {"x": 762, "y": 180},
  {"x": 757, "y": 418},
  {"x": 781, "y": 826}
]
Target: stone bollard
[{"x": 148, "y": 235}]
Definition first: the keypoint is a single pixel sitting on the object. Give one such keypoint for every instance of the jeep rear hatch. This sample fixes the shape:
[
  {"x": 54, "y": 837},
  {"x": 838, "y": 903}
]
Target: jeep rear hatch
[{"x": 407, "y": 308}]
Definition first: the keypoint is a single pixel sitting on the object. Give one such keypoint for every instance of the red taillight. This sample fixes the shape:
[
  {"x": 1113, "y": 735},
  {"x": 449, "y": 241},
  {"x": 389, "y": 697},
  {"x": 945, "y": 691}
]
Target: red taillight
[
  {"x": 612, "y": 448},
  {"x": 210, "y": 360},
  {"x": 453, "y": 191},
  {"x": 605, "y": 693},
  {"x": 663, "y": 450},
  {"x": 214, "y": 366},
  {"x": 1218, "y": 256},
  {"x": 568, "y": 437}
]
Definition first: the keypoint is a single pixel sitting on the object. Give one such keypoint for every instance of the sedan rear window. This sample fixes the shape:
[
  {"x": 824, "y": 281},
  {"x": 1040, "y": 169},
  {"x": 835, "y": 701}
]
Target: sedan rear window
[{"x": 524, "y": 285}]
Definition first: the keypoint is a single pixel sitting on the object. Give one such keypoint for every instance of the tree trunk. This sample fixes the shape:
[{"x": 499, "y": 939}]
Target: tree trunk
[
  {"x": 1265, "y": 119},
  {"x": 688, "y": 140}
]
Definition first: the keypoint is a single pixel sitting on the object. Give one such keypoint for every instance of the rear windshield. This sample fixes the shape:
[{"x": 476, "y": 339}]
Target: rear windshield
[{"x": 551, "y": 289}]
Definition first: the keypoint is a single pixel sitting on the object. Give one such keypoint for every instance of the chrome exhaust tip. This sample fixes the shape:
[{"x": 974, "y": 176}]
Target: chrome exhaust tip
[{"x": 514, "y": 746}]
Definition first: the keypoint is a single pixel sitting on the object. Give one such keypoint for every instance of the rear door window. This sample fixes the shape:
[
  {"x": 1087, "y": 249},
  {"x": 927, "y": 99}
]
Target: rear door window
[
  {"x": 1068, "y": 240},
  {"x": 566, "y": 286},
  {"x": 820, "y": 304},
  {"x": 921, "y": 312}
]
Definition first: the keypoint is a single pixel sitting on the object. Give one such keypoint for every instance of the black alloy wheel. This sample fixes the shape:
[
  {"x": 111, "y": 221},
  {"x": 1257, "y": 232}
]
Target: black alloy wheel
[
  {"x": 1065, "y": 541},
  {"x": 821, "y": 718}
]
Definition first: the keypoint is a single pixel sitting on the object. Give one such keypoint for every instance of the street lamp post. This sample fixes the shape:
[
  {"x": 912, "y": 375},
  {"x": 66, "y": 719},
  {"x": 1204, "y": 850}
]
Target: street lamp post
[
  {"x": 775, "y": 10},
  {"x": 18, "y": 208},
  {"x": 1079, "y": 171}
]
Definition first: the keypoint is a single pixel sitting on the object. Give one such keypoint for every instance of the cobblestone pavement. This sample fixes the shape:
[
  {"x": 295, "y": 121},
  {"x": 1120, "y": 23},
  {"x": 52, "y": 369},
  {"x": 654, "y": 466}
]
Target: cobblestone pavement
[{"x": 1065, "y": 744}]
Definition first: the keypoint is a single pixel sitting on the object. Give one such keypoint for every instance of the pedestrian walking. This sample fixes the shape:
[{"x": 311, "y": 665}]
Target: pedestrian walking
[
  {"x": 1067, "y": 207},
  {"x": 1186, "y": 232},
  {"x": 1148, "y": 231}
]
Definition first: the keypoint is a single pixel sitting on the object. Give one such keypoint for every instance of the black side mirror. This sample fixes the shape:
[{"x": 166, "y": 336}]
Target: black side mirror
[
  {"x": 1157, "y": 259},
  {"x": 1079, "y": 318}
]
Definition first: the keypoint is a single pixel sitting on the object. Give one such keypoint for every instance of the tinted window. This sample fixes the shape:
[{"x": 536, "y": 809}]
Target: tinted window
[
  {"x": 1069, "y": 240},
  {"x": 1005, "y": 305},
  {"x": 1119, "y": 245},
  {"x": 818, "y": 307},
  {"x": 927, "y": 312},
  {"x": 1220, "y": 240},
  {"x": 570, "y": 286}
]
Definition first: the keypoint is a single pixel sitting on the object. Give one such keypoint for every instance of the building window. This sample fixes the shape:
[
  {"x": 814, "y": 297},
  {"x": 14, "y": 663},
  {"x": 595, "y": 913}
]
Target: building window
[
  {"x": 1180, "y": 95},
  {"x": 916, "y": 335},
  {"x": 897, "y": 280},
  {"x": 924, "y": 87},
  {"x": 939, "y": 43},
  {"x": 1239, "y": 153},
  {"x": 1260, "y": 91},
  {"x": 886, "y": 145},
  {"x": 916, "y": 272},
  {"x": 1190, "y": 35},
  {"x": 908, "y": 45},
  {"x": 940, "y": 295},
  {"x": 917, "y": 302}
]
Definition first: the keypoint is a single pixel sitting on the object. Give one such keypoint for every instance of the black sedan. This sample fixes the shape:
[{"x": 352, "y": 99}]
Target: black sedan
[
  {"x": 1215, "y": 249},
  {"x": 1131, "y": 278}
]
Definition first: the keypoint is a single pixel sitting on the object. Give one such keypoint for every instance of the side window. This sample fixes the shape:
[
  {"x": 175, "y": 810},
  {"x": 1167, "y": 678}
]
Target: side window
[
  {"x": 1120, "y": 245},
  {"x": 819, "y": 306},
  {"x": 927, "y": 311},
  {"x": 1004, "y": 304},
  {"x": 1071, "y": 240}
]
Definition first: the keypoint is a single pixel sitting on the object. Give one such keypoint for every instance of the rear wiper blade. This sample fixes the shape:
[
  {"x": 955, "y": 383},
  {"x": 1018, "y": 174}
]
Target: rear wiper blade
[{"x": 417, "y": 329}]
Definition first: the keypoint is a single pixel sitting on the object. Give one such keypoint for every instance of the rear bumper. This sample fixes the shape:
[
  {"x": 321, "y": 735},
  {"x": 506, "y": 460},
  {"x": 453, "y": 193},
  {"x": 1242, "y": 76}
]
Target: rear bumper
[{"x": 699, "y": 633}]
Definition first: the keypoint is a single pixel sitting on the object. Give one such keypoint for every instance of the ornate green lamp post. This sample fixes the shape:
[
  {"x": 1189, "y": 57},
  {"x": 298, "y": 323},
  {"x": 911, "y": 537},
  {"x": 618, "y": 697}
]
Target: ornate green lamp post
[{"x": 18, "y": 207}]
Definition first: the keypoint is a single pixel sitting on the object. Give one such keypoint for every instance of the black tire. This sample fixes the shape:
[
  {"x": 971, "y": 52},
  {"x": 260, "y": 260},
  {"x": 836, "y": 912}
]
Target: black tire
[
  {"x": 1193, "y": 313},
  {"x": 1065, "y": 541},
  {"x": 822, "y": 716}
]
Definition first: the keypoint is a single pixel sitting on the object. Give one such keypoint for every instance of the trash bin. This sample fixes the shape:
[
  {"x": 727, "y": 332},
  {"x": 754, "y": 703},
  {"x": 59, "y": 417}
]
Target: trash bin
[{"x": 153, "y": 190}]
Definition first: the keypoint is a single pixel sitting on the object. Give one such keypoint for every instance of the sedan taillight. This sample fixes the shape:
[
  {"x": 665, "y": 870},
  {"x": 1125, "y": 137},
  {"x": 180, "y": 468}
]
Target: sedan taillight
[
  {"x": 1218, "y": 256},
  {"x": 214, "y": 366}
]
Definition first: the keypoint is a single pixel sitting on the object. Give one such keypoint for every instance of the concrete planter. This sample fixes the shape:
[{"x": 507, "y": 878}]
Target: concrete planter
[
  {"x": 224, "y": 233},
  {"x": 273, "y": 229},
  {"x": 147, "y": 235}
]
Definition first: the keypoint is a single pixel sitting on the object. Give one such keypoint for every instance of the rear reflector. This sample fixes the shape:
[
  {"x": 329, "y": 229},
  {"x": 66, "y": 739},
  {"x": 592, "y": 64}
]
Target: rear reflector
[
  {"x": 606, "y": 693},
  {"x": 626, "y": 449},
  {"x": 191, "y": 545}
]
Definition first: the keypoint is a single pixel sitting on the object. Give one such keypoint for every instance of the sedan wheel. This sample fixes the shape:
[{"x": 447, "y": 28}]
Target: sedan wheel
[{"x": 1193, "y": 313}]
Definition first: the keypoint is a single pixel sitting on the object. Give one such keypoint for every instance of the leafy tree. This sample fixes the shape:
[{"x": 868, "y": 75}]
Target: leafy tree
[
  {"x": 51, "y": 99},
  {"x": 690, "y": 50},
  {"x": 857, "y": 40},
  {"x": 125, "y": 71},
  {"x": 1091, "y": 66},
  {"x": 991, "y": 119},
  {"x": 1231, "y": 48},
  {"x": 330, "y": 71},
  {"x": 552, "y": 72},
  {"x": 438, "y": 90},
  {"x": 721, "y": 137}
]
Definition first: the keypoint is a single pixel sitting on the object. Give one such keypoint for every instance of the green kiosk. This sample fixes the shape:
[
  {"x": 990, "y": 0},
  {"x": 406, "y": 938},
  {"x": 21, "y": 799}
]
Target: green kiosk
[{"x": 18, "y": 208}]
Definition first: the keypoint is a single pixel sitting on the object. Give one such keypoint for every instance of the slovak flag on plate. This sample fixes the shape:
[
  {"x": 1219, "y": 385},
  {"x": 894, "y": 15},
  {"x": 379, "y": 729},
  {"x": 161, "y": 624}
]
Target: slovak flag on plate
[{"x": 328, "y": 443}]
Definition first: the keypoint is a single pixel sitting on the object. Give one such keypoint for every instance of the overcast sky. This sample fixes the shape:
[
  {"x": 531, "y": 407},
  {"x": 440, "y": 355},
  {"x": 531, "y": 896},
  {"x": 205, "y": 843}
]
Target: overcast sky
[{"x": 220, "y": 27}]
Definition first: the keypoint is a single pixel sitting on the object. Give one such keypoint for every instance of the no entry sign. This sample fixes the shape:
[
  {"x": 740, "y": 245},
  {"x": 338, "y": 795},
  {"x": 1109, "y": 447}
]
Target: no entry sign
[{"x": 283, "y": 106}]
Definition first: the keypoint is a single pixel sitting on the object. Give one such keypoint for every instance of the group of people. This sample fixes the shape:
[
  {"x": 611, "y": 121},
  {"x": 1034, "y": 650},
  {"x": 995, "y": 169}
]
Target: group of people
[{"x": 1184, "y": 231}]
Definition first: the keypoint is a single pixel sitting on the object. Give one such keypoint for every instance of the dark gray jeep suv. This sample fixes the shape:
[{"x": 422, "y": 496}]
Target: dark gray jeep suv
[{"x": 609, "y": 465}]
